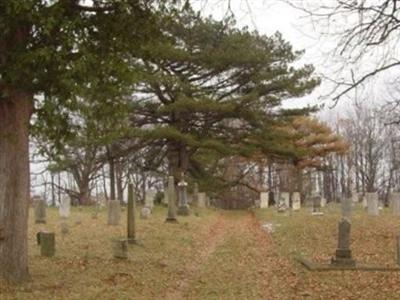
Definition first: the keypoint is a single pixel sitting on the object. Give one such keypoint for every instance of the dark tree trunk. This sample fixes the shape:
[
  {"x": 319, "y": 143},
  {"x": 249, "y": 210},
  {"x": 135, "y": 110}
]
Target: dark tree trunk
[
  {"x": 15, "y": 114},
  {"x": 112, "y": 174}
]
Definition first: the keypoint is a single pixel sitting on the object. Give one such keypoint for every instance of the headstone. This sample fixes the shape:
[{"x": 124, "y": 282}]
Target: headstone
[
  {"x": 395, "y": 201},
  {"x": 285, "y": 197},
  {"x": 282, "y": 206},
  {"x": 183, "y": 208},
  {"x": 65, "y": 207},
  {"x": 372, "y": 202},
  {"x": 120, "y": 248},
  {"x": 64, "y": 228},
  {"x": 296, "y": 202},
  {"x": 47, "y": 243},
  {"x": 40, "y": 211},
  {"x": 149, "y": 198},
  {"x": 131, "y": 215},
  {"x": 145, "y": 213},
  {"x": 264, "y": 200},
  {"x": 316, "y": 203},
  {"x": 171, "y": 217},
  {"x": 323, "y": 201},
  {"x": 114, "y": 212},
  {"x": 201, "y": 201},
  {"x": 346, "y": 206},
  {"x": 343, "y": 252},
  {"x": 195, "y": 193},
  {"x": 165, "y": 198}
]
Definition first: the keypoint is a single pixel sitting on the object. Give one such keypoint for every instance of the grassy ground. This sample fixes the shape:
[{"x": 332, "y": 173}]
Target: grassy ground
[{"x": 210, "y": 255}]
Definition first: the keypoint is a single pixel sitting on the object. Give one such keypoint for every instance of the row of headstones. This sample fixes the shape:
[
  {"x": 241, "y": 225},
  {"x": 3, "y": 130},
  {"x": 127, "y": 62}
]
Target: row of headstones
[{"x": 283, "y": 201}]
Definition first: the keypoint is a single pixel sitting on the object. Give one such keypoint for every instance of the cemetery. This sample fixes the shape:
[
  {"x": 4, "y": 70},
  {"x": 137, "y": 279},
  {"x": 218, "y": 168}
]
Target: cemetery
[{"x": 199, "y": 149}]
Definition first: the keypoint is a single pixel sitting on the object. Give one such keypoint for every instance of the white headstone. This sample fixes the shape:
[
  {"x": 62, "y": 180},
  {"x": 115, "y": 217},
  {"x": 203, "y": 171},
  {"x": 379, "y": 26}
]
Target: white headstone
[
  {"x": 296, "y": 202},
  {"x": 323, "y": 201},
  {"x": 395, "y": 201},
  {"x": 149, "y": 198},
  {"x": 285, "y": 197},
  {"x": 145, "y": 213},
  {"x": 263, "y": 200},
  {"x": 202, "y": 200},
  {"x": 373, "y": 204},
  {"x": 65, "y": 207}
]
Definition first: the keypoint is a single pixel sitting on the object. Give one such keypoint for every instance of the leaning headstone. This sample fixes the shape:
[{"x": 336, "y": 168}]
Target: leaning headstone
[
  {"x": 120, "y": 248},
  {"x": 114, "y": 212},
  {"x": 131, "y": 215},
  {"x": 149, "y": 198},
  {"x": 65, "y": 207},
  {"x": 201, "y": 201},
  {"x": 296, "y": 202},
  {"x": 395, "y": 201},
  {"x": 183, "y": 209},
  {"x": 47, "y": 243},
  {"x": 40, "y": 212},
  {"x": 373, "y": 204},
  {"x": 145, "y": 213},
  {"x": 343, "y": 253},
  {"x": 171, "y": 217},
  {"x": 264, "y": 200}
]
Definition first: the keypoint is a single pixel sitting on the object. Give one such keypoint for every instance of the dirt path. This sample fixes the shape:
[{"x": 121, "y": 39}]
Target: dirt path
[{"x": 236, "y": 260}]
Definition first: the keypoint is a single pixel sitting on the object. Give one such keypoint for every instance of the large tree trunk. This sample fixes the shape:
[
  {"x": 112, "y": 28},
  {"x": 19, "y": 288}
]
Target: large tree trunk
[{"x": 15, "y": 114}]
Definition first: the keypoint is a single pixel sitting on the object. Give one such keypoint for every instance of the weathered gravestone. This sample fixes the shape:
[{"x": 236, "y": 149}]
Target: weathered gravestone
[
  {"x": 282, "y": 205},
  {"x": 47, "y": 242},
  {"x": 195, "y": 193},
  {"x": 394, "y": 199},
  {"x": 202, "y": 200},
  {"x": 285, "y": 197},
  {"x": 120, "y": 248},
  {"x": 145, "y": 213},
  {"x": 373, "y": 204},
  {"x": 40, "y": 211},
  {"x": 296, "y": 202},
  {"x": 131, "y": 211},
  {"x": 183, "y": 209},
  {"x": 343, "y": 253},
  {"x": 114, "y": 212},
  {"x": 264, "y": 200},
  {"x": 171, "y": 216},
  {"x": 149, "y": 198},
  {"x": 65, "y": 207}
]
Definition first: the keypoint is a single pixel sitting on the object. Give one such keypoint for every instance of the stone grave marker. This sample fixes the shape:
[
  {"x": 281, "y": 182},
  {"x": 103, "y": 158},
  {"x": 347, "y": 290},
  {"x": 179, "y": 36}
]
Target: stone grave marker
[
  {"x": 114, "y": 212},
  {"x": 395, "y": 201},
  {"x": 296, "y": 202},
  {"x": 40, "y": 211},
  {"x": 264, "y": 200},
  {"x": 183, "y": 208},
  {"x": 65, "y": 207},
  {"x": 171, "y": 216},
  {"x": 149, "y": 198},
  {"x": 47, "y": 242},
  {"x": 201, "y": 201},
  {"x": 120, "y": 248},
  {"x": 343, "y": 253},
  {"x": 145, "y": 213},
  {"x": 372, "y": 204},
  {"x": 346, "y": 206}
]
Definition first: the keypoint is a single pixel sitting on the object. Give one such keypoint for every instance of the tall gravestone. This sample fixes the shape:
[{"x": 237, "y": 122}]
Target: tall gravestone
[
  {"x": 373, "y": 204},
  {"x": 264, "y": 200},
  {"x": 195, "y": 193},
  {"x": 347, "y": 207},
  {"x": 183, "y": 209},
  {"x": 296, "y": 202},
  {"x": 40, "y": 211},
  {"x": 171, "y": 216},
  {"x": 201, "y": 200},
  {"x": 65, "y": 207},
  {"x": 131, "y": 211},
  {"x": 114, "y": 212},
  {"x": 343, "y": 253},
  {"x": 395, "y": 201}
]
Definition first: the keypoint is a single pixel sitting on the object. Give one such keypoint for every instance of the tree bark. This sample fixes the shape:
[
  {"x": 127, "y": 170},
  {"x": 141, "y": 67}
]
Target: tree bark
[{"x": 15, "y": 113}]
